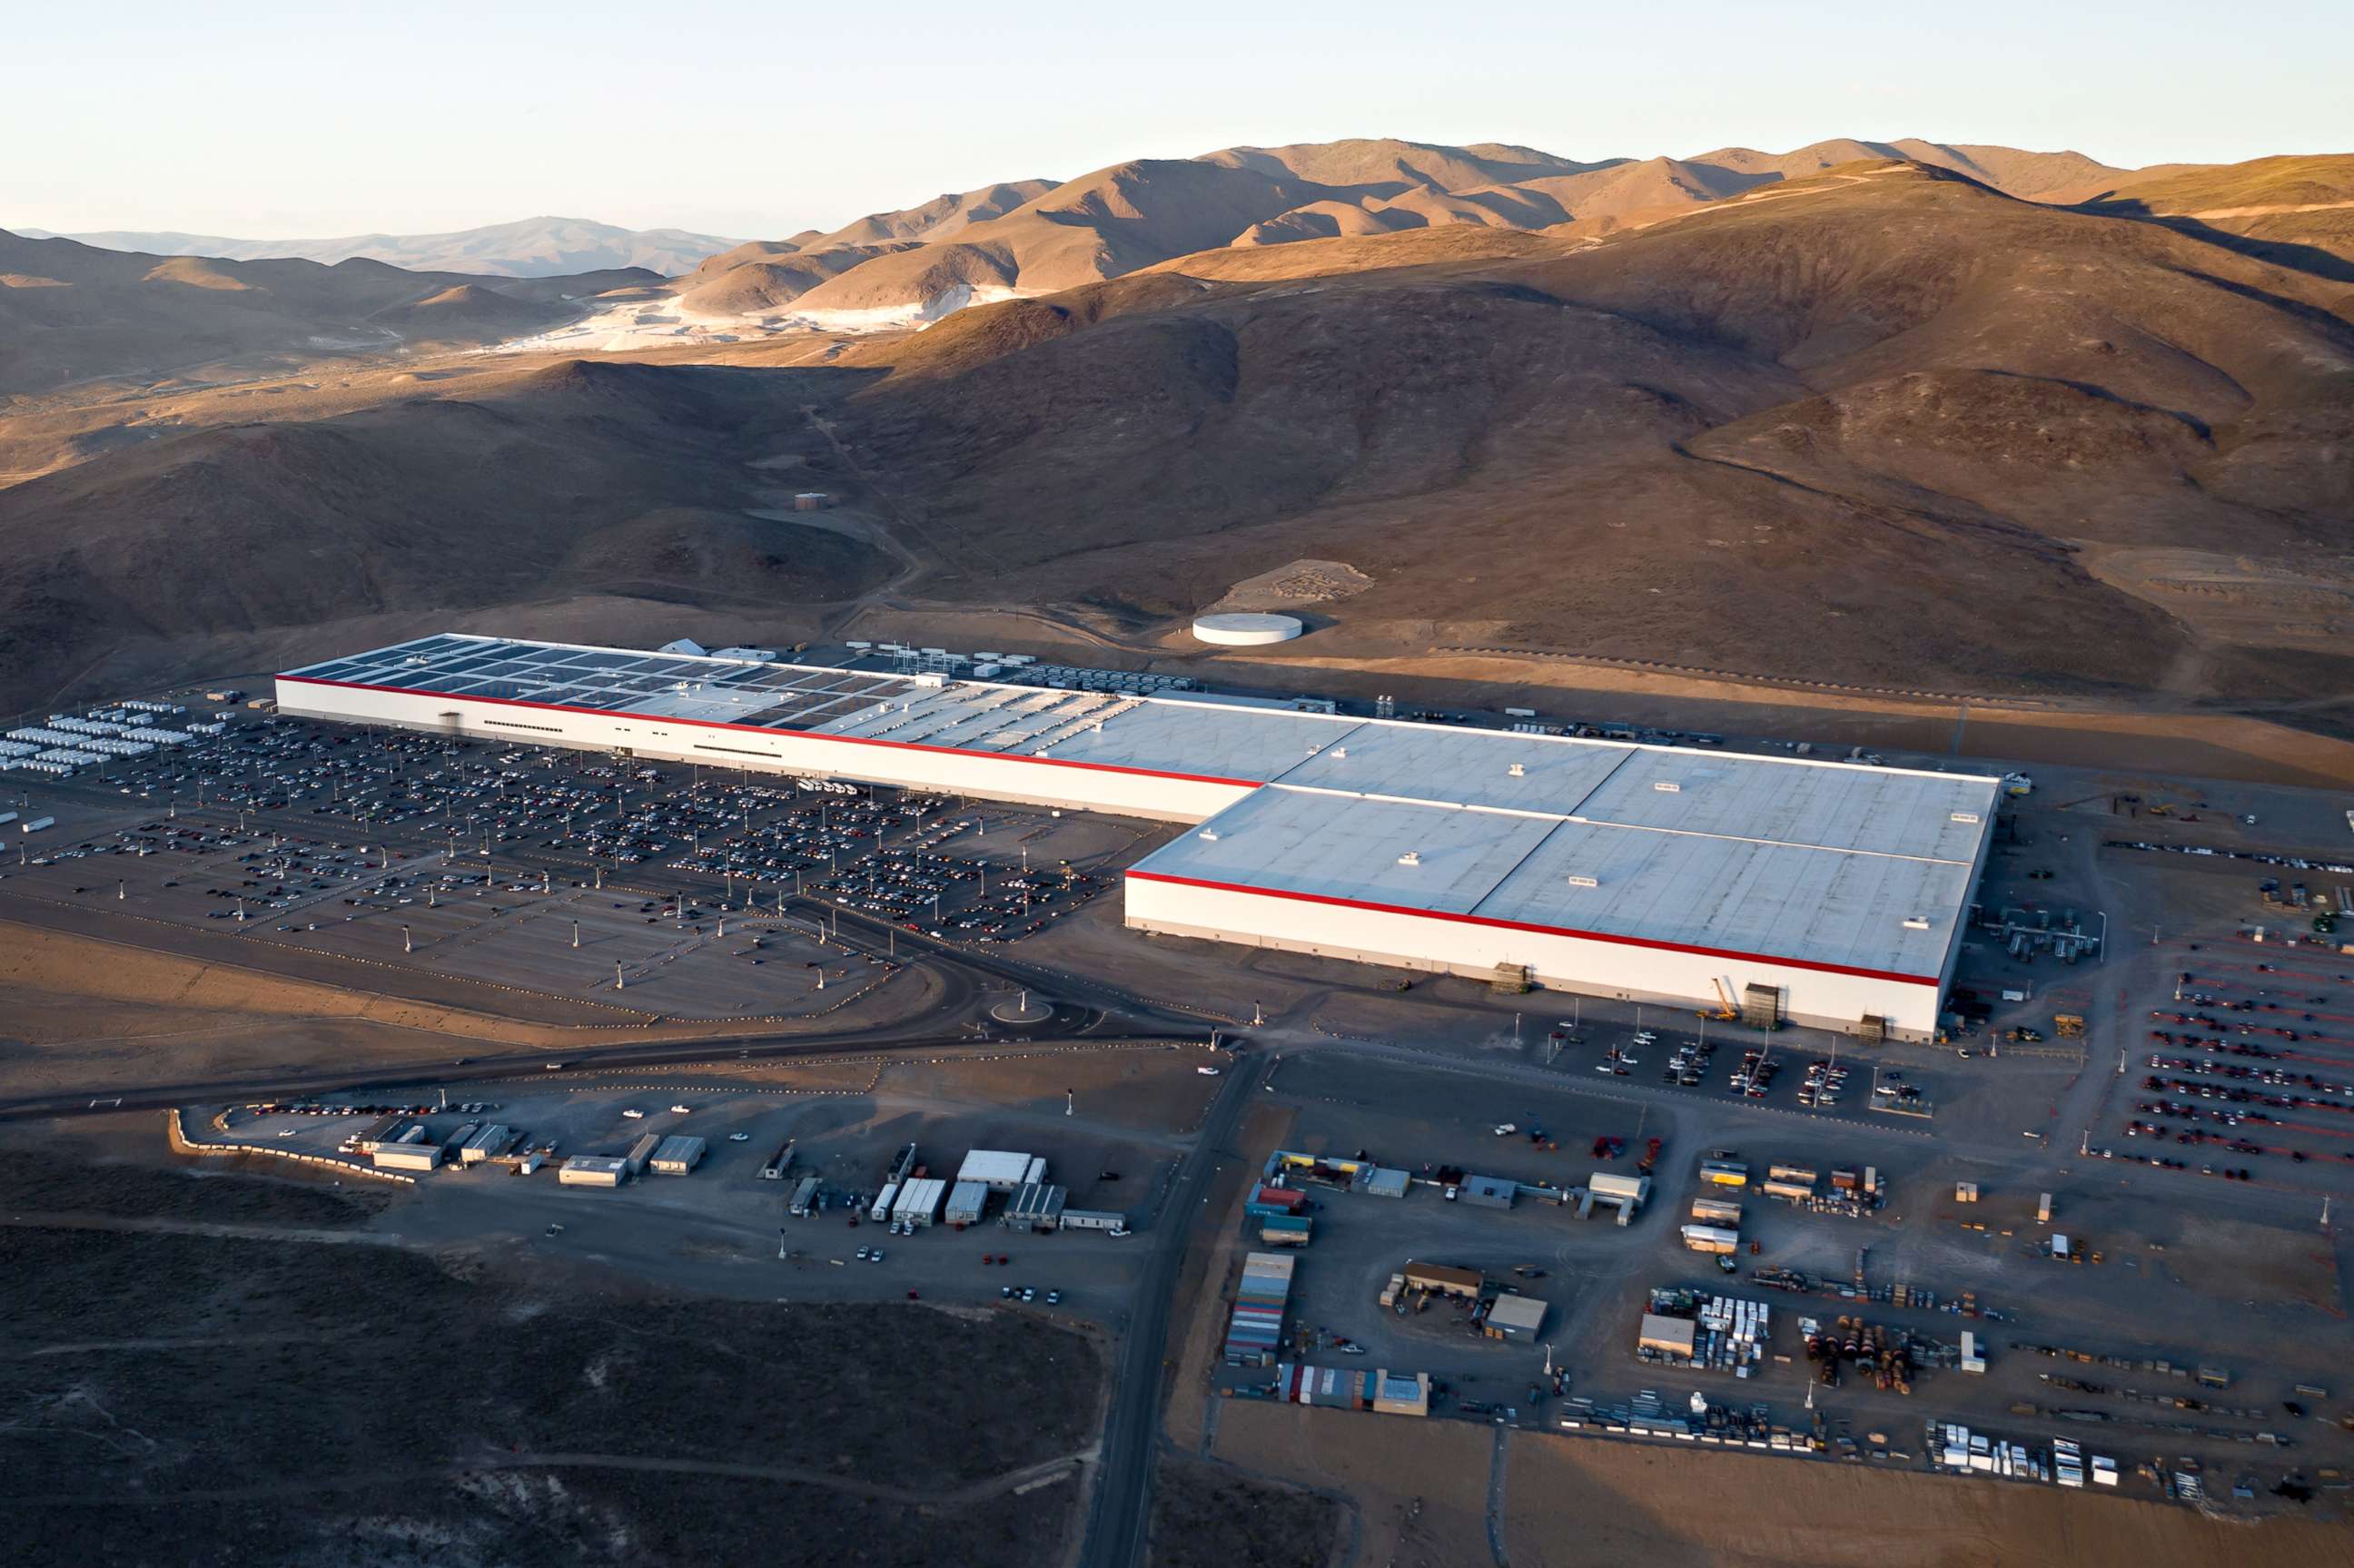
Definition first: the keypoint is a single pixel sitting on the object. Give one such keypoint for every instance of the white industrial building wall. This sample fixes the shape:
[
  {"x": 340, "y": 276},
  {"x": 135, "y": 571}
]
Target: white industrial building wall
[
  {"x": 1634, "y": 972},
  {"x": 1032, "y": 781}
]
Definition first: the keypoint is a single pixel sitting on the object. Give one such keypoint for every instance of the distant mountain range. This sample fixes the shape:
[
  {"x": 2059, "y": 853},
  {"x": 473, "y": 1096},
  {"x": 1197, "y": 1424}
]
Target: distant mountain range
[
  {"x": 535, "y": 248},
  {"x": 1912, "y": 416}
]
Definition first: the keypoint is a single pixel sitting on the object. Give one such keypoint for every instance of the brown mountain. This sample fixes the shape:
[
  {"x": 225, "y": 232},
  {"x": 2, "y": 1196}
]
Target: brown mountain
[
  {"x": 1882, "y": 424},
  {"x": 75, "y": 313},
  {"x": 526, "y": 486},
  {"x": 2297, "y": 211},
  {"x": 1027, "y": 237}
]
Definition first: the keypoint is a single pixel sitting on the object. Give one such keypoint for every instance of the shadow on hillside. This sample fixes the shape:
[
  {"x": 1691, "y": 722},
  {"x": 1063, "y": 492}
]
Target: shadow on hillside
[{"x": 2311, "y": 259}]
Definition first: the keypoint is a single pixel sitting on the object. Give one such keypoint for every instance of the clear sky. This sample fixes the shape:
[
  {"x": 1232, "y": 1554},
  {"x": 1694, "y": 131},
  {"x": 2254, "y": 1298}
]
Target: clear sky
[{"x": 259, "y": 119}]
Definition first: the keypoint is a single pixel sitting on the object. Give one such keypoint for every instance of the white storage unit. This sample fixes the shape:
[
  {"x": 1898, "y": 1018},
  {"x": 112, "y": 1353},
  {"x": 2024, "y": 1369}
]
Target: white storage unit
[{"x": 1645, "y": 873}]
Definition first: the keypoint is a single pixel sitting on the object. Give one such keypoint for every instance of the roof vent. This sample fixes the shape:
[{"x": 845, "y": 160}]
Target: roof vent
[
  {"x": 1411, "y": 857},
  {"x": 1517, "y": 771},
  {"x": 1970, "y": 816},
  {"x": 1210, "y": 835},
  {"x": 1667, "y": 786},
  {"x": 1339, "y": 751},
  {"x": 1584, "y": 882},
  {"x": 1916, "y": 922}
]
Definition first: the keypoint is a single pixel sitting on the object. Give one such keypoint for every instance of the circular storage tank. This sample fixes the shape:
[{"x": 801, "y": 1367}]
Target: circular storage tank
[{"x": 1246, "y": 630}]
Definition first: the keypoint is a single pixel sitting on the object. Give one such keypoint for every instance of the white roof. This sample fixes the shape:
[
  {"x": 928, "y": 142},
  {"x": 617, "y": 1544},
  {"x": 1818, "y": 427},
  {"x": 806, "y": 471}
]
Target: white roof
[
  {"x": 994, "y": 1165},
  {"x": 1750, "y": 895},
  {"x": 1765, "y": 857}
]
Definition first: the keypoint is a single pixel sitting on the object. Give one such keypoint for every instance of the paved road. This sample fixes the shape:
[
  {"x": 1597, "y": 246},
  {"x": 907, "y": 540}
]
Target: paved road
[{"x": 1121, "y": 1509}]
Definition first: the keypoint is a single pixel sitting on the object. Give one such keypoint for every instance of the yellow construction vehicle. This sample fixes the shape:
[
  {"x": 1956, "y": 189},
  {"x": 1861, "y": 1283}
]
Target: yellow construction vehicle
[
  {"x": 1724, "y": 1013},
  {"x": 2068, "y": 1025}
]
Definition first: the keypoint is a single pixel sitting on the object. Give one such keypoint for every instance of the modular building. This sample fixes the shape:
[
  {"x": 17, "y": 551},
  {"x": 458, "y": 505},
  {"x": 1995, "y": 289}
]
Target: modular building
[
  {"x": 995, "y": 1169},
  {"x": 1465, "y": 1284},
  {"x": 592, "y": 1170},
  {"x": 1835, "y": 892},
  {"x": 677, "y": 1155},
  {"x": 967, "y": 1200},
  {"x": 641, "y": 1151},
  {"x": 488, "y": 1144},
  {"x": 919, "y": 1200},
  {"x": 1515, "y": 1318},
  {"x": 1092, "y": 1220},
  {"x": 1036, "y": 1207},
  {"x": 1669, "y": 1336},
  {"x": 1489, "y": 1191},
  {"x": 408, "y": 1156}
]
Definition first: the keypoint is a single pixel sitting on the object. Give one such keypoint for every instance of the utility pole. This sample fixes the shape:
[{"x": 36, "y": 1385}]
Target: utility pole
[
  {"x": 617, "y": 974},
  {"x": 406, "y": 945},
  {"x": 576, "y": 936}
]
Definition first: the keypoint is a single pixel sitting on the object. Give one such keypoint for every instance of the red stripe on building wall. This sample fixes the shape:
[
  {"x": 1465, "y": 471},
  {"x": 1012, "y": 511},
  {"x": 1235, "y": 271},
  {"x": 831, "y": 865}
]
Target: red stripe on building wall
[
  {"x": 1525, "y": 926},
  {"x": 789, "y": 734}
]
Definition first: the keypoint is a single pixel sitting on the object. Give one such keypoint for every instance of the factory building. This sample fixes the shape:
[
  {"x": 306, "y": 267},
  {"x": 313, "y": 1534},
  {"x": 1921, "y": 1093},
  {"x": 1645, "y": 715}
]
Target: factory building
[{"x": 1823, "y": 894}]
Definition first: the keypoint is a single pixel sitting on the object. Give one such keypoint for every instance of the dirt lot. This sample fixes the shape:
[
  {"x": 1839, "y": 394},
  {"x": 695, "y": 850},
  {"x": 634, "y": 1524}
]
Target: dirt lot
[
  {"x": 1206, "y": 1516},
  {"x": 1420, "y": 1486},
  {"x": 391, "y": 1405},
  {"x": 1583, "y": 1504}
]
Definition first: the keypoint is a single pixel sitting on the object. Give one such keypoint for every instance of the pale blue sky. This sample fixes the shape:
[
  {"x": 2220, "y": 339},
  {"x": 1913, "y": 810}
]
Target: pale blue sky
[{"x": 263, "y": 119}]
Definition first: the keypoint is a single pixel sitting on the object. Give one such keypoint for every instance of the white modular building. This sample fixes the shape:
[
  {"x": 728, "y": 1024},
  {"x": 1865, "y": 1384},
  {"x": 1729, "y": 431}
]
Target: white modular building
[
  {"x": 1835, "y": 892},
  {"x": 998, "y": 1170}
]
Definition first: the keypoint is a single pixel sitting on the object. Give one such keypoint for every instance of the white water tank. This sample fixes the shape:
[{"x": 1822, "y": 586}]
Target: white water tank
[{"x": 1246, "y": 630}]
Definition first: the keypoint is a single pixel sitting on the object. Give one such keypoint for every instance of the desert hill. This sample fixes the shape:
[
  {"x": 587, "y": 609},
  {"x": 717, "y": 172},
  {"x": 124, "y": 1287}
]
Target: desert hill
[
  {"x": 533, "y": 248},
  {"x": 1884, "y": 418},
  {"x": 79, "y": 313},
  {"x": 2297, "y": 211},
  {"x": 1033, "y": 237},
  {"x": 529, "y": 485}
]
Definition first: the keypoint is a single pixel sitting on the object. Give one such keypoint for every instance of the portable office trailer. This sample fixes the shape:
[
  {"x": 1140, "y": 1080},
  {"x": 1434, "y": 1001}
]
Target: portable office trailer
[
  {"x": 1716, "y": 1212},
  {"x": 592, "y": 1170},
  {"x": 967, "y": 1200},
  {"x": 1092, "y": 1220},
  {"x": 640, "y": 1152},
  {"x": 884, "y": 1201},
  {"x": 408, "y": 1157}
]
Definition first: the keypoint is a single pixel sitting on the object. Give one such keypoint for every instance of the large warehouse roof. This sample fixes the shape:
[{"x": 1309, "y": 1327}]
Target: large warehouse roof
[{"x": 1853, "y": 869}]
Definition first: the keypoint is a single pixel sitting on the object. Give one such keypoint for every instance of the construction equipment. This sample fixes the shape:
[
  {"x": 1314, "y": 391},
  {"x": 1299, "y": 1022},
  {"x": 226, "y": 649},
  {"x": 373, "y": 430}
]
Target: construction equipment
[
  {"x": 1725, "y": 1012},
  {"x": 2068, "y": 1025}
]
